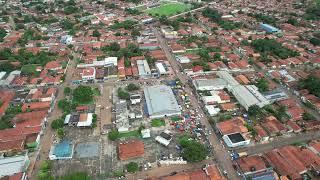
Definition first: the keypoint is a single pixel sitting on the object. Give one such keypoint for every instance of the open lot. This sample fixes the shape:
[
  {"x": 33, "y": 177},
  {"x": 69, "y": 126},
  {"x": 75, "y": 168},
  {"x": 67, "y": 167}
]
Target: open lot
[{"x": 169, "y": 9}]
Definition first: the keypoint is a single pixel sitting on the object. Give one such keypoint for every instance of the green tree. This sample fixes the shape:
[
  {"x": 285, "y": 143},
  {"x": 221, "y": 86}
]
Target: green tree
[
  {"x": 194, "y": 151},
  {"x": 44, "y": 172},
  {"x": 83, "y": 94},
  {"x": 132, "y": 167},
  {"x": 217, "y": 56},
  {"x": 3, "y": 34},
  {"x": 307, "y": 116},
  {"x": 94, "y": 121},
  {"x": 254, "y": 110},
  {"x": 65, "y": 105},
  {"x": 67, "y": 91},
  {"x": 123, "y": 94},
  {"x": 262, "y": 84},
  {"x": 96, "y": 33},
  {"x": 293, "y": 21},
  {"x": 57, "y": 123},
  {"x": 113, "y": 135},
  {"x": 315, "y": 41},
  {"x": 60, "y": 133},
  {"x": 132, "y": 87},
  {"x": 135, "y": 32}
]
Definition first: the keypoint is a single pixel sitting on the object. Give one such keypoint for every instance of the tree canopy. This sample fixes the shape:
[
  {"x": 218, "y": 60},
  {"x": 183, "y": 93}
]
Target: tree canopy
[
  {"x": 132, "y": 167},
  {"x": 262, "y": 84},
  {"x": 274, "y": 48},
  {"x": 132, "y": 87},
  {"x": 83, "y": 94},
  {"x": 194, "y": 151},
  {"x": 122, "y": 94},
  {"x": 312, "y": 84}
]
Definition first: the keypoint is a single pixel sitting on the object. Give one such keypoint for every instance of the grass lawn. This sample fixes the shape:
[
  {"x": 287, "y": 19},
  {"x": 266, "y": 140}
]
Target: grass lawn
[
  {"x": 29, "y": 69},
  {"x": 169, "y": 9},
  {"x": 157, "y": 122},
  {"x": 96, "y": 91},
  {"x": 175, "y": 118},
  {"x": 129, "y": 134}
]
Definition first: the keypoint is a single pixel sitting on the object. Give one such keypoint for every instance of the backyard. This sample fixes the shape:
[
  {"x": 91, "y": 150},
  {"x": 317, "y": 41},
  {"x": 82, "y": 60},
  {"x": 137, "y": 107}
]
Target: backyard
[{"x": 169, "y": 9}]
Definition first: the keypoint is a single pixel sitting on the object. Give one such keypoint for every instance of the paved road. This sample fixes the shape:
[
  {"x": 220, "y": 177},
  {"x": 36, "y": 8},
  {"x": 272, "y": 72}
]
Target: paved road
[
  {"x": 221, "y": 154},
  {"x": 48, "y": 136},
  {"x": 279, "y": 142}
]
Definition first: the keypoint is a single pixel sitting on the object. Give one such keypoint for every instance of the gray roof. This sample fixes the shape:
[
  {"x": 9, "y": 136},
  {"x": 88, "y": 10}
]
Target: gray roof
[
  {"x": 200, "y": 83},
  {"x": 227, "y": 77},
  {"x": 12, "y": 165},
  {"x": 161, "y": 100}
]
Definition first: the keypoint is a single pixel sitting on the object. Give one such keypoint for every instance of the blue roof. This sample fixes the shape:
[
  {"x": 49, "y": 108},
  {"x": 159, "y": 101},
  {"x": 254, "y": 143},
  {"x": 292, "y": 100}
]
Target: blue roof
[
  {"x": 63, "y": 149},
  {"x": 269, "y": 28}
]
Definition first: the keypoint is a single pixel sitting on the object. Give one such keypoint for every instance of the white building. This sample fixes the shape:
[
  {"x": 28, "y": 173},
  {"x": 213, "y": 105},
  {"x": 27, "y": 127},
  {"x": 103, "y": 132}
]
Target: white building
[
  {"x": 245, "y": 95},
  {"x": 109, "y": 61},
  {"x": 235, "y": 140},
  {"x": 135, "y": 98},
  {"x": 212, "y": 110},
  {"x": 145, "y": 133},
  {"x": 248, "y": 96},
  {"x": 183, "y": 59},
  {"x": 164, "y": 138},
  {"x": 67, "y": 39},
  {"x": 143, "y": 69},
  {"x": 85, "y": 120},
  {"x": 209, "y": 84}
]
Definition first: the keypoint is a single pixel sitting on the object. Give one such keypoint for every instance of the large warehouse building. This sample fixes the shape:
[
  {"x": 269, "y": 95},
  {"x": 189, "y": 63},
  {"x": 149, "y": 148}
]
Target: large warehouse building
[
  {"x": 246, "y": 95},
  {"x": 160, "y": 101}
]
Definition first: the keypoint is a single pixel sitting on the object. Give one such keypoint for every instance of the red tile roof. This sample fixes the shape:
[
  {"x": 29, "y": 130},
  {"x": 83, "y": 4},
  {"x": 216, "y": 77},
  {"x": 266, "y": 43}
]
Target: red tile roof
[
  {"x": 236, "y": 125},
  {"x": 36, "y": 106},
  {"x": 281, "y": 165},
  {"x": 5, "y": 98},
  {"x": 53, "y": 65},
  {"x": 131, "y": 149},
  {"x": 251, "y": 163},
  {"x": 273, "y": 125},
  {"x": 294, "y": 126}
]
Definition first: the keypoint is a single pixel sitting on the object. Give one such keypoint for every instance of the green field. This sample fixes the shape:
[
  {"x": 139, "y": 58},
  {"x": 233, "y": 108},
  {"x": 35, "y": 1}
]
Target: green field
[
  {"x": 29, "y": 69},
  {"x": 157, "y": 122},
  {"x": 169, "y": 9},
  {"x": 129, "y": 134}
]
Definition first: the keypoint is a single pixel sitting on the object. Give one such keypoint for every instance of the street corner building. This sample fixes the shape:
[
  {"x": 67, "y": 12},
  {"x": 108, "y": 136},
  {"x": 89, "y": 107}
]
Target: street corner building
[{"x": 160, "y": 102}]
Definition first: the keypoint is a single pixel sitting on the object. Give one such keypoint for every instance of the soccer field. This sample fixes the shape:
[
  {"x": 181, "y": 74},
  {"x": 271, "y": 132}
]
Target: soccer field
[{"x": 169, "y": 9}]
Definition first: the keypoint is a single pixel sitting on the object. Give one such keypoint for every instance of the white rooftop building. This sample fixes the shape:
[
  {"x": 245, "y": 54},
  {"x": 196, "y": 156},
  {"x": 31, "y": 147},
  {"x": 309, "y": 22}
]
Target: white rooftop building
[
  {"x": 143, "y": 68},
  {"x": 160, "y": 101},
  {"x": 245, "y": 95},
  {"x": 2, "y": 74},
  {"x": 164, "y": 138},
  {"x": 85, "y": 120},
  {"x": 145, "y": 133},
  {"x": 248, "y": 96},
  {"x": 12, "y": 165},
  {"x": 212, "y": 110},
  {"x": 183, "y": 59},
  {"x": 209, "y": 84}
]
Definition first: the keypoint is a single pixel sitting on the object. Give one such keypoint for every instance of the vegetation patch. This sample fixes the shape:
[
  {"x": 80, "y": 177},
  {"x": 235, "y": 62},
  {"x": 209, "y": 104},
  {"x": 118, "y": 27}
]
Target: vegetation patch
[
  {"x": 29, "y": 69},
  {"x": 169, "y": 9},
  {"x": 114, "y": 134},
  {"x": 157, "y": 122}
]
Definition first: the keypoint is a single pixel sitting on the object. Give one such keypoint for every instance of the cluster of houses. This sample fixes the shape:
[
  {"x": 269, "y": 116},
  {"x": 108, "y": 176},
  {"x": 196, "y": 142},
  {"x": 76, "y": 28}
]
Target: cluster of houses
[{"x": 28, "y": 121}]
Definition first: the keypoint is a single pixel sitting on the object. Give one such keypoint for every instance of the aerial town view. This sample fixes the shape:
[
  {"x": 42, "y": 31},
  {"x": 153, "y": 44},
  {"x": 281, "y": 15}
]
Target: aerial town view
[{"x": 159, "y": 89}]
